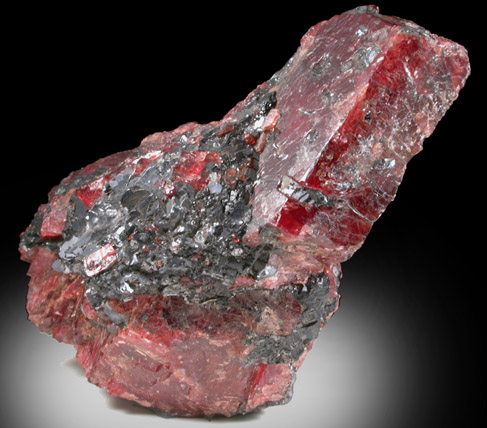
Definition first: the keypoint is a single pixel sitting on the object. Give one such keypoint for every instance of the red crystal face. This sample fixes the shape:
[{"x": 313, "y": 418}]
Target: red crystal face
[
  {"x": 55, "y": 217},
  {"x": 193, "y": 273},
  {"x": 294, "y": 216},
  {"x": 191, "y": 168},
  {"x": 91, "y": 192},
  {"x": 100, "y": 260},
  {"x": 356, "y": 167}
]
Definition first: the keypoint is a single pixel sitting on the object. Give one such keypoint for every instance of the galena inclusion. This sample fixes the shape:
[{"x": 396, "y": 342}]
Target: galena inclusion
[{"x": 193, "y": 273}]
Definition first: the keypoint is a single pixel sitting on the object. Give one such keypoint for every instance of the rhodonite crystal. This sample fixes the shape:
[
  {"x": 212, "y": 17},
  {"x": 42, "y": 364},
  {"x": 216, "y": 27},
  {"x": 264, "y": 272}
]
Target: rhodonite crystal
[{"x": 193, "y": 273}]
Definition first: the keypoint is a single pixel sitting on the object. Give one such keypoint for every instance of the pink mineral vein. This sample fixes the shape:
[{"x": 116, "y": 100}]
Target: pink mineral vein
[{"x": 193, "y": 273}]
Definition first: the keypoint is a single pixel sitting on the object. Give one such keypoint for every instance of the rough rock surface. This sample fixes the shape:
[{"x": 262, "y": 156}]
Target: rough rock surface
[{"x": 193, "y": 273}]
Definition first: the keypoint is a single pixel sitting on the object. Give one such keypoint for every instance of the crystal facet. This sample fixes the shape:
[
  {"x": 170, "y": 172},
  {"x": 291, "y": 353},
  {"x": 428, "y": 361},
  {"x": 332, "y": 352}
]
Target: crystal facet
[{"x": 193, "y": 273}]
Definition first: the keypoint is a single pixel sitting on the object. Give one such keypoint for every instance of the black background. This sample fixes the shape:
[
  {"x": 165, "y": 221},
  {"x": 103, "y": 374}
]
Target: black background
[{"x": 84, "y": 83}]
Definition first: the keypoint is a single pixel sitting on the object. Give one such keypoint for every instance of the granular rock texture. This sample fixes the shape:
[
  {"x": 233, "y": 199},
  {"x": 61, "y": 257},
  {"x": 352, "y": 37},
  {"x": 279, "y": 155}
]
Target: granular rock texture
[{"x": 193, "y": 273}]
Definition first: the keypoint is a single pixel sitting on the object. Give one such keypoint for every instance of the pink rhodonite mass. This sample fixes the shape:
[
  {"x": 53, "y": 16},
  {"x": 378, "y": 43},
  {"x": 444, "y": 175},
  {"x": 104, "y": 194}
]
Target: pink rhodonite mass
[{"x": 193, "y": 273}]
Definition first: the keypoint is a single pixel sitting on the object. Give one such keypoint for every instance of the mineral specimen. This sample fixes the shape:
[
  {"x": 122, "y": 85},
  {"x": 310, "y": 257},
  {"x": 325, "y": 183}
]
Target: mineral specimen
[{"x": 193, "y": 273}]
